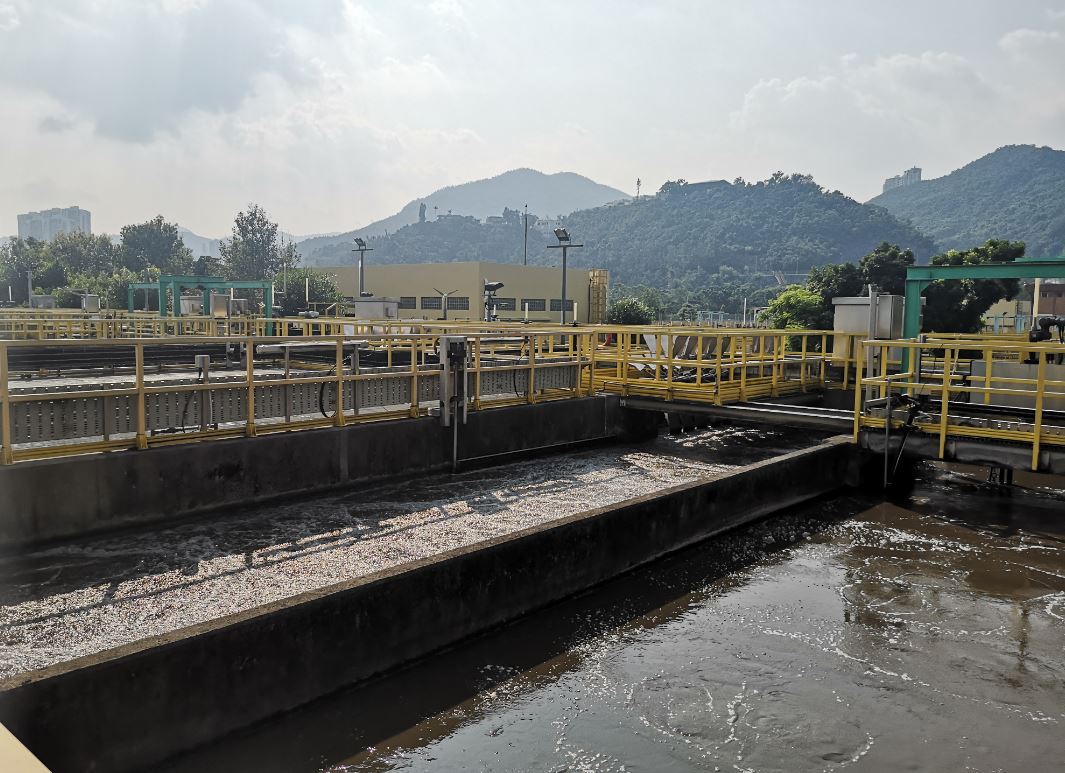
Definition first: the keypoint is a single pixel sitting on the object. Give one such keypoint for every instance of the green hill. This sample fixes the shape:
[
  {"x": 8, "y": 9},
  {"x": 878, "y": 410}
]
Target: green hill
[
  {"x": 1017, "y": 192},
  {"x": 685, "y": 233}
]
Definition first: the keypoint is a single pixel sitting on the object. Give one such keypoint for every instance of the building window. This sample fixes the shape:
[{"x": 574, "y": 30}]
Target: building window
[
  {"x": 505, "y": 304},
  {"x": 458, "y": 303},
  {"x": 534, "y": 304},
  {"x": 429, "y": 302},
  {"x": 556, "y": 304},
  {"x": 408, "y": 302}
]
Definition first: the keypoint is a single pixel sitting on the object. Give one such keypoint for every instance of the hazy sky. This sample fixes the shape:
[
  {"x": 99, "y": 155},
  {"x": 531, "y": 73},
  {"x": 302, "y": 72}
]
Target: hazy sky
[{"x": 332, "y": 114}]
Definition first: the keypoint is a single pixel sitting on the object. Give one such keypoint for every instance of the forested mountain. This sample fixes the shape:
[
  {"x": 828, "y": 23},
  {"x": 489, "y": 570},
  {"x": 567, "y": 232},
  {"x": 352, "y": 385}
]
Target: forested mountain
[
  {"x": 710, "y": 244},
  {"x": 1017, "y": 192},
  {"x": 548, "y": 194}
]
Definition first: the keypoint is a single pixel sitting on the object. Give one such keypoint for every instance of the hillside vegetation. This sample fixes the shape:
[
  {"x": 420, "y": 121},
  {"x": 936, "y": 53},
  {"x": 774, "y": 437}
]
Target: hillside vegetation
[
  {"x": 707, "y": 245},
  {"x": 1017, "y": 192}
]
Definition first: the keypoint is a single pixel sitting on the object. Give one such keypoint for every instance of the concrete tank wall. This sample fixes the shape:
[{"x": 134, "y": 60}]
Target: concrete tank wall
[
  {"x": 135, "y": 705},
  {"x": 77, "y": 495}
]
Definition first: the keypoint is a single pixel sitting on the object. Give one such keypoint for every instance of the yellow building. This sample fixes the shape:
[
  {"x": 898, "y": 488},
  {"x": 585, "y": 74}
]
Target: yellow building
[{"x": 418, "y": 288}]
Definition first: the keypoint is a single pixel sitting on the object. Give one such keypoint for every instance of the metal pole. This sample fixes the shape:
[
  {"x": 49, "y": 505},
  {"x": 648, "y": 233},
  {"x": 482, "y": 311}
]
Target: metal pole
[
  {"x": 29, "y": 286},
  {"x": 526, "y": 260},
  {"x": 362, "y": 272},
  {"x": 564, "y": 248}
]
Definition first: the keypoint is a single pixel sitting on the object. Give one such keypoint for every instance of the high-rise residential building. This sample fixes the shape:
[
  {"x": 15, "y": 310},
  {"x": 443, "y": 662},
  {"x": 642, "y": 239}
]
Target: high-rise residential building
[
  {"x": 911, "y": 176},
  {"x": 49, "y": 223}
]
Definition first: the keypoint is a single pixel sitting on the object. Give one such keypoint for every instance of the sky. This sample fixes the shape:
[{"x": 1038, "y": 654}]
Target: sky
[{"x": 333, "y": 113}]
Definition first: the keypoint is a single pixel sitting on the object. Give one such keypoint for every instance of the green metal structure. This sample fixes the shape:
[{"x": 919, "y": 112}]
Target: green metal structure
[
  {"x": 919, "y": 277},
  {"x": 173, "y": 285}
]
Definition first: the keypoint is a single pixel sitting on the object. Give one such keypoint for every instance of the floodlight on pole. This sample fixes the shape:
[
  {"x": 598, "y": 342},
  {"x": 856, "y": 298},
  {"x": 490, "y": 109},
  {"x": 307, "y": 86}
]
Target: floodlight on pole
[
  {"x": 362, "y": 249},
  {"x": 490, "y": 290},
  {"x": 564, "y": 244}
]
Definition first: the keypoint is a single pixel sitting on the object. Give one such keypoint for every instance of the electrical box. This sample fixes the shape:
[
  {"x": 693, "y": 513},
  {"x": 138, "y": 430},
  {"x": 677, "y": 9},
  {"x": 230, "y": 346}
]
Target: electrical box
[
  {"x": 192, "y": 305},
  {"x": 224, "y": 306},
  {"x": 454, "y": 354},
  {"x": 90, "y": 303},
  {"x": 852, "y": 315}
]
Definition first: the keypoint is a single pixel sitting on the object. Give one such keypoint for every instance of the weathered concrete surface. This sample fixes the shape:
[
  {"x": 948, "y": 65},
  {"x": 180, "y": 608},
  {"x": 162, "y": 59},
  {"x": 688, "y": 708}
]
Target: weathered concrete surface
[
  {"x": 129, "y": 707},
  {"x": 84, "y": 494}
]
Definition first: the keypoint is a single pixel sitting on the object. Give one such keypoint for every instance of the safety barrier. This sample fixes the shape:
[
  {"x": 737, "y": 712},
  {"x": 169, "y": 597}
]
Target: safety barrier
[
  {"x": 1020, "y": 385},
  {"x": 377, "y": 377},
  {"x": 719, "y": 366}
]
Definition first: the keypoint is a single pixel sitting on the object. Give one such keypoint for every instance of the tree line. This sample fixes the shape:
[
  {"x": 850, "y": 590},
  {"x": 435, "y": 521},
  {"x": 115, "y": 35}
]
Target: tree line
[
  {"x": 73, "y": 264},
  {"x": 955, "y": 306}
]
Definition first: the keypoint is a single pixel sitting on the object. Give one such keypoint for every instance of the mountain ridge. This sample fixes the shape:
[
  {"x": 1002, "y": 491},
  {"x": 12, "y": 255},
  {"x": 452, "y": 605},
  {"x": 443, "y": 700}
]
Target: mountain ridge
[
  {"x": 1014, "y": 192},
  {"x": 546, "y": 195}
]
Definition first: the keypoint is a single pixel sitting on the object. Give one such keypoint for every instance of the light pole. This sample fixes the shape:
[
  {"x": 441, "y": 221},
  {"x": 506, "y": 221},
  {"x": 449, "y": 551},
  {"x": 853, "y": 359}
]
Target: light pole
[
  {"x": 490, "y": 290},
  {"x": 362, "y": 249},
  {"x": 564, "y": 244},
  {"x": 526, "y": 261}
]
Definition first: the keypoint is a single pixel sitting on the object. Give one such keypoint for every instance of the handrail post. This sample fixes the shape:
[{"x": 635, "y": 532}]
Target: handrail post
[
  {"x": 591, "y": 340},
  {"x": 857, "y": 399},
  {"x": 414, "y": 396},
  {"x": 988, "y": 360},
  {"x": 6, "y": 455},
  {"x": 142, "y": 419},
  {"x": 944, "y": 401},
  {"x": 743, "y": 368},
  {"x": 1037, "y": 427},
  {"x": 249, "y": 374},
  {"x": 530, "y": 388},
  {"x": 477, "y": 373},
  {"x": 339, "y": 420},
  {"x": 718, "y": 372}
]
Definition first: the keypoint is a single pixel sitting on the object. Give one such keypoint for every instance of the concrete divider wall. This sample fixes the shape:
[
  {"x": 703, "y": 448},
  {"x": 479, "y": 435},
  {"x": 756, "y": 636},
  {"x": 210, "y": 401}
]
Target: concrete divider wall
[
  {"x": 132, "y": 706},
  {"x": 81, "y": 494}
]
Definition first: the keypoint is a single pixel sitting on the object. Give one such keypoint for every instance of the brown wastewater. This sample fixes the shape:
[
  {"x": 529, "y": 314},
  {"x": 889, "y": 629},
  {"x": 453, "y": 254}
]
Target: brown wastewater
[{"x": 927, "y": 635}]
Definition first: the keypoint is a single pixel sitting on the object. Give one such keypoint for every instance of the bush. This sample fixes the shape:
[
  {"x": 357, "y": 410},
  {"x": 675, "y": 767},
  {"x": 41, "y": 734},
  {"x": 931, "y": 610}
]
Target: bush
[{"x": 629, "y": 311}]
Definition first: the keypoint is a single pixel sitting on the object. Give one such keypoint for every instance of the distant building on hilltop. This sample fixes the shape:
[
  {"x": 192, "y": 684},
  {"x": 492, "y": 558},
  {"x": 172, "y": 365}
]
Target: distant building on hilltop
[
  {"x": 49, "y": 223},
  {"x": 911, "y": 176}
]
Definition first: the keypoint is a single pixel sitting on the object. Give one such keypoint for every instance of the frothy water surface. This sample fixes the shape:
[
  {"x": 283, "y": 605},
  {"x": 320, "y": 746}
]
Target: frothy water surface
[{"x": 844, "y": 634}]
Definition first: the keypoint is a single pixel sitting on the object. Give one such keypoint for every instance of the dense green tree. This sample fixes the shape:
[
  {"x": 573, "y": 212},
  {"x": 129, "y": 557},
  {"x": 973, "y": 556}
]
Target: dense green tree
[
  {"x": 254, "y": 249},
  {"x": 835, "y": 280},
  {"x": 796, "y": 307},
  {"x": 958, "y": 306},
  {"x": 886, "y": 267},
  {"x": 154, "y": 243},
  {"x": 629, "y": 311},
  {"x": 291, "y": 301},
  {"x": 81, "y": 253},
  {"x": 208, "y": 265}
]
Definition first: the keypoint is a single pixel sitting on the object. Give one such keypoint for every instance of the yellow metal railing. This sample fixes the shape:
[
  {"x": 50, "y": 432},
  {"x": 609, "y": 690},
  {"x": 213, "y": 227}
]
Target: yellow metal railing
[
  {"x": 719, "y": 365},
  {"x": 969, "y": 370},
  {"x": 525, "y": 361}
]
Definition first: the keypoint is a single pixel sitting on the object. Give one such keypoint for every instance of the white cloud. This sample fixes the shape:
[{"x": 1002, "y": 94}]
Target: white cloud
[
  {"x": 332, "y": 113},
  {"x": 9, "y": 17}
]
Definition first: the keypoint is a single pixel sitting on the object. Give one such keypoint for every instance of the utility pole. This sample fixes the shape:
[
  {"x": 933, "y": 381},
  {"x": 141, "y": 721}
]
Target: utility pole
[
  {"x": 637, "y": 188},
  {"x": 525, "y": 262}
]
